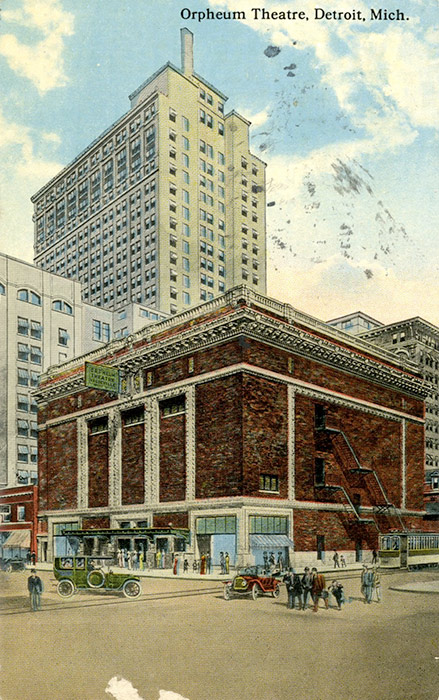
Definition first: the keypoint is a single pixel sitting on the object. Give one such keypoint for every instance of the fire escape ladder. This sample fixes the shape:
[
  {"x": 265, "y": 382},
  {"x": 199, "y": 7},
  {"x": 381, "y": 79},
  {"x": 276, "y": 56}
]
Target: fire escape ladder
[
  {"x": 334, "y": 487},
  {"x": 387, "y": 507},
  {"x": 347, "y": 454}
]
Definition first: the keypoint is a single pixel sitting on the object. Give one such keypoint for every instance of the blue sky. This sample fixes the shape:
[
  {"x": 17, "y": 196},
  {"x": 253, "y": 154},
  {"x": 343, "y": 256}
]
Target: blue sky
[{"x": 344, "y": 113}]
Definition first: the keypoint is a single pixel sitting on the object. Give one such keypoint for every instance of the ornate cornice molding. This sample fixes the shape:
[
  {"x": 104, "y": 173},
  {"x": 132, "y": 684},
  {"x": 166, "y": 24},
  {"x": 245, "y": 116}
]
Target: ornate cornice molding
[{"x": 258, "y": 326}]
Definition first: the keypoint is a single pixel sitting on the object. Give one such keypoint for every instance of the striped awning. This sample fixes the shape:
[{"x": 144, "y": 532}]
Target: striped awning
[
  {"x": 270, "y": 541},
  {"x": 18, "y": 538}
]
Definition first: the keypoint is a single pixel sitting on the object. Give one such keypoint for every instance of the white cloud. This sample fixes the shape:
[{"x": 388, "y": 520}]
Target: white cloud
[
  {"x": 257, "y": 119},
  {"x": 121, "y": 689},
  {"x": 24, "y": 170},
  {"x": 396, "y": 67},
  {"x": 41, "y": 62}
]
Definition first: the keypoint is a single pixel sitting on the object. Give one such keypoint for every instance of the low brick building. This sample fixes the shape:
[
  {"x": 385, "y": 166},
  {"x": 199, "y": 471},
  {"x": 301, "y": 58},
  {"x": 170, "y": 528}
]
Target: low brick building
[
  {"x": 256, "y": 427},
  {"x": 18, "y": 522}
]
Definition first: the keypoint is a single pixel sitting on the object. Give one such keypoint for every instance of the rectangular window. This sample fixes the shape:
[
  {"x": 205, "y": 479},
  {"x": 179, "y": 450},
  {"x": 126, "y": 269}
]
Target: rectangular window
[
  {"x": 268, "y": 525},
  {"x": 21, "y": 513},
  {"x": 134, "y": 416},
  {"x": 23, "y": 453},
  {"x": 185, "y": 123},
  {"x": 185, "y": 142},
  {"x": 22, "y": 326},
  {"x": 22, "y": 402},
  {"x": 99, "y": 425},
  {"x": 319, "y": 471},
  {"x": 23, "y": 377},
  {"x": 170, "y": 407},
  {"x": 23, "y": 352},
  {"x": 63, "y": 337},
  {"x": 221, "y": 525},
  {"x": 36, "y": 330},
  {"x": 268, "y": 482},
  {"x": 186, "y": 214},
  {"x": 97, "y": 331},
  {"x": 186, "y": 298},
  {"x": 22, "y": 428}
]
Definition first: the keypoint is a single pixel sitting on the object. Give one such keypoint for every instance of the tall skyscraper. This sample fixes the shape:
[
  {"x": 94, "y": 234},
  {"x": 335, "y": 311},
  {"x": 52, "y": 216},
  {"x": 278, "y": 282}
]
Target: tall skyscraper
[{"x": 166, "y": 207}]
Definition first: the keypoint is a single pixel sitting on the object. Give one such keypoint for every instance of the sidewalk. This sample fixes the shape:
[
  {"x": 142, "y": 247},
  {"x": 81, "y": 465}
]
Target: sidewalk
[{"x": 215, "y": 576}]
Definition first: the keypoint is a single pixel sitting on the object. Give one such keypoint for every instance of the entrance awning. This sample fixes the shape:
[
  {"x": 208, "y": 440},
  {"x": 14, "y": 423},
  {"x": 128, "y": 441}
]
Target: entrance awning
[
  {"x": 270, "y": 541},
  {"x": 18, "y": 538}
]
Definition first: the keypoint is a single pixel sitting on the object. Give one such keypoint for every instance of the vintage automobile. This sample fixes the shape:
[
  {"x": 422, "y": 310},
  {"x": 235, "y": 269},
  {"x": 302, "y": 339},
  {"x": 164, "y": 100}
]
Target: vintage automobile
[
  {"x": 75, "y": 573},
  {"x": 251, "y": 581},
  {"x": 9, "y": 564}
]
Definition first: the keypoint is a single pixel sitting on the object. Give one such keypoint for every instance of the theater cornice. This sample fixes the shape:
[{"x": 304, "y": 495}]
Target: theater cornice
[{"x": 254, "y": 324}]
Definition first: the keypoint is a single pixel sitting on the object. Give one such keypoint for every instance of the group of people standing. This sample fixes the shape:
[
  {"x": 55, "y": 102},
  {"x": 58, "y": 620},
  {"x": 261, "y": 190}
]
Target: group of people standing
[
  {"x": 133, "y": 559},
  {"x": 271, "y": 563},
  {"x": 311, "y": 586},
  {"x": 370, "y": 583}
]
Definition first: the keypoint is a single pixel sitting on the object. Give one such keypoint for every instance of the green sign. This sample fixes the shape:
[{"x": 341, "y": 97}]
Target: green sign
[{"x": 102, "y": 377}]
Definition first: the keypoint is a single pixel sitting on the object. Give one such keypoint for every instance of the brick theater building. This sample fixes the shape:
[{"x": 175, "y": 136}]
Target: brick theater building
[{"x": 245, "y": 426}]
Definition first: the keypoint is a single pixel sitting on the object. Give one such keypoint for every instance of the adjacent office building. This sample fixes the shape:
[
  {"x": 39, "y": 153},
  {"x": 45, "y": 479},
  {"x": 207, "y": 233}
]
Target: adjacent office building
[
  {"x": 418, "y": 341},
  {"x": 166, "y": 207},
  {"x": 44, "y": 323}
]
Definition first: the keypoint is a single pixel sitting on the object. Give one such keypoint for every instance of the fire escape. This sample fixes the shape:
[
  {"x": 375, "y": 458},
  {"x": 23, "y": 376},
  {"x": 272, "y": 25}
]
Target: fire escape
[{"x": 352, "y": 475}]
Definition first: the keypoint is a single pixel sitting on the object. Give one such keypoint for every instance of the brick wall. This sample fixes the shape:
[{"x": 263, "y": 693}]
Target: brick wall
[
  {"x": 340, "y": 530},
  {"x": 95, "y": 523},
  {"x": 173, "y": 458},
  {"x": 265, "y": 434},
  {"x": 58, "y": 467},
  {"x": 133, "y": 460},
  {"x": 177, "y": 519},
  {"x": 219, "y": 438},
  {"x": 98, "y": 470},
  {"x": 376, "y": 443},
  {"x": 415, "y": 446}
]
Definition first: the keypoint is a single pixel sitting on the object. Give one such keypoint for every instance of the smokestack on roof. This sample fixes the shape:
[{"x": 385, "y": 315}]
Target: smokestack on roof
[{"x": 187, "y": 51}]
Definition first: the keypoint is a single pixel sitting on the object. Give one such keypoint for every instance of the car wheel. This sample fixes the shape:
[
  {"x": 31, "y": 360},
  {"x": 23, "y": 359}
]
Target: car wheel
[
  {"x": 226, "y": 593},
  {"x": 65, "y": 588},
  {"x": 256, "y": 591},
  {"x": 96, "y": 579},
  {"x": 131, "y": 589},
  {"x": 8, "y": 568},
  {"x": 276, "y": 592}
]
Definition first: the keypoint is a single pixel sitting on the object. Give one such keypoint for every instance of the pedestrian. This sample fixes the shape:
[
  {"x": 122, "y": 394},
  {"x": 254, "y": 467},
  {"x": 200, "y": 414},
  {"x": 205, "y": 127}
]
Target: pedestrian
[
  {"x": 33, "y": 558},
  {"x": 203, "y": 564},
  {"x": 271, "y": 562},
  {"x": 374, "y": 557},
  {"x": 342, "y": 561},
  {"x": 336, "y": 588},
  {"x": 135, "y": 560},
  {"x": 296, "y": 591},
  {"x": 222, "y": 563},
  {"x": 28, "y": 557},
  {"x": 158, "y": 558},
  {"x": 368, "y": 580},
  {"x": 336, "y": 561},
  {"x": 319, "y": 590},
  {"x": 141, "y": 560},
  {"x": 280, "y": 561},
  {"x": 377, "y": 584},
  {"x": 307, "y": 580},
  {"x": 35, "y": 588},
  {"x": 126, "y": 557},
  {"x": 119, "y": 558},
  {"x": 265, "y": 557},
  {"x": 185, "y": 566},
  {"x": 208, "y": 563},
  {"x": 363, "y": 571},
  {"x": 175, "y": 567},
  {"x": 227, "y": 562}
]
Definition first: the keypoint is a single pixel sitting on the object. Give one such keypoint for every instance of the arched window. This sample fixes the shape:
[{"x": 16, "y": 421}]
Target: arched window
[
  {"x": 29, "y": 296},
  {"x": 63, "y": 306}
]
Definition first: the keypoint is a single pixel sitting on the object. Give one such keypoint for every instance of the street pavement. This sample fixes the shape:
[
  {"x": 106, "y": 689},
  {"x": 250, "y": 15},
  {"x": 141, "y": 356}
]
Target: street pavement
[{"x": 182, "y": 636}]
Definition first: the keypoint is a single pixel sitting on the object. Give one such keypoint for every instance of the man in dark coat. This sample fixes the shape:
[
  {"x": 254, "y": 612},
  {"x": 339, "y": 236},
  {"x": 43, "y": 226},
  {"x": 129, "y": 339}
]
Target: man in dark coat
[
  {"x": 294, "y": 589},
  {"x": 35, "y": 588}
]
